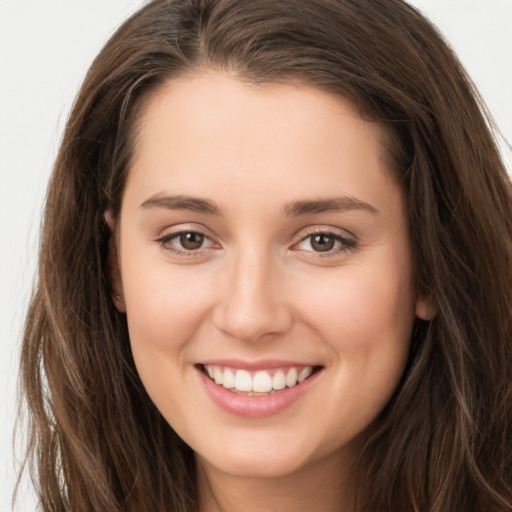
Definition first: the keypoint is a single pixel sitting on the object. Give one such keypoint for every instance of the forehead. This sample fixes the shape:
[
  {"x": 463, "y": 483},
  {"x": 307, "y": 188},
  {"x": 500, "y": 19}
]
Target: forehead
[
  {"x": 199, "y": 94},
  {"x": 209, "y": 130}
]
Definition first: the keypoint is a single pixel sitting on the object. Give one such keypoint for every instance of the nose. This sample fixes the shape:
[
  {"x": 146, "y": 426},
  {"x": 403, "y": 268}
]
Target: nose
[{"x": 253, "y": 302}]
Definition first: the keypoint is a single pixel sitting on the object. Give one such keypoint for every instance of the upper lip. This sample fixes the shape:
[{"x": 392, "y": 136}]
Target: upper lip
[{"x": 263, "y": 364}]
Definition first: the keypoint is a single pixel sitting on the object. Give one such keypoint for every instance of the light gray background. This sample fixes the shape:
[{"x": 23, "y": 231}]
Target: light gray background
[{"x": 46, "y": 47}]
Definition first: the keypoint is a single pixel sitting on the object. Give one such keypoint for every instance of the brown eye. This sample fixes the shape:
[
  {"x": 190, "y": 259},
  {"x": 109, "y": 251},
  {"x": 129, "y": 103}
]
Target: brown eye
[
  {"x": 322, "y": 242},
  {"x": 191, "y": 241}
]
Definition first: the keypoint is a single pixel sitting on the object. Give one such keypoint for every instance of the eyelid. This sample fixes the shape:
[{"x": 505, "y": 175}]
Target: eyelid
[
  {"x": 184, "y": 227},
  {"x": 324, "y": 229}
]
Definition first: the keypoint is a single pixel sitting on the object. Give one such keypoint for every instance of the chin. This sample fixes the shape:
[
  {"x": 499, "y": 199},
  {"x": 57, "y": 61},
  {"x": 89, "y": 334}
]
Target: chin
[{"x": 248, "y": 466}]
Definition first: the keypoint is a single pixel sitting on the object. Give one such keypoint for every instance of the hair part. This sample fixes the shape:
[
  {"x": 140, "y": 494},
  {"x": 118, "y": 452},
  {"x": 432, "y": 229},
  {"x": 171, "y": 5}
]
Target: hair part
[{"x": 443, "y": 442}]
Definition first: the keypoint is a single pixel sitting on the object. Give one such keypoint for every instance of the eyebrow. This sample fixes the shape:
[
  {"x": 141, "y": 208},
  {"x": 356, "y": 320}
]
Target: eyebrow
[
  {"x": 293, "y": 209},
  {"x": 180, "y": 202},
  {"x": 343, "y": 203}
]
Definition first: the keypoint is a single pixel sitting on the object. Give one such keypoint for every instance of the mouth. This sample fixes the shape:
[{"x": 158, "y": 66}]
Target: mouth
[{"x": 261, "y": 382}]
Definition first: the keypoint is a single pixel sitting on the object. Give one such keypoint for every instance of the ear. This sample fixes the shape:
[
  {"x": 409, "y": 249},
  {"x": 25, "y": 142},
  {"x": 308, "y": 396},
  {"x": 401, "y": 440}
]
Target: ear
[
  {"x": 114, "y": 272},
  {"x": 425, "y": 308}
]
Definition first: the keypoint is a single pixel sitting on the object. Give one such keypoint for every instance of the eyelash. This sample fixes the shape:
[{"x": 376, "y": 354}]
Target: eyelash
[
  {"x": 165, "y": 240},
  {"x": 346, "y": 245}
]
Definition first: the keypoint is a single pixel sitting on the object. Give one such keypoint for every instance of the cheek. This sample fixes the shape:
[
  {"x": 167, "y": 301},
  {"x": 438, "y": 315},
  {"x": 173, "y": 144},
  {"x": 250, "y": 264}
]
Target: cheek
[
  {"x": 366, "y": 319},
  {"x": 164, "y": 305},
  {"x": 358, "y": 309},
  {"x": 367, "y": 324}
]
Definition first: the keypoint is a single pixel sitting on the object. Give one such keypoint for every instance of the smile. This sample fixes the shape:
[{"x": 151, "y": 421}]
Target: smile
[
  {"x": 257, "y": 389},
  {"x": 258, "y": 383}
]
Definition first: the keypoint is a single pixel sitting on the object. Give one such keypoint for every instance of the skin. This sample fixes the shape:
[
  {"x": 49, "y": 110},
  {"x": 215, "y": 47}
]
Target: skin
[{"x": 257, "y": 288}]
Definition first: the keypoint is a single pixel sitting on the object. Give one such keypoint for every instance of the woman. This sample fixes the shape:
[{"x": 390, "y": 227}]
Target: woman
[{"x": 275, "y": 271}]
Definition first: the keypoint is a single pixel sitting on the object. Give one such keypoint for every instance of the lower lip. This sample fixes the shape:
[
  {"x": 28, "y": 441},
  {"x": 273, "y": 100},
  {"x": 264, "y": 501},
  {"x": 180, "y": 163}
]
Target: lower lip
[{"x": 255, "y": 406}]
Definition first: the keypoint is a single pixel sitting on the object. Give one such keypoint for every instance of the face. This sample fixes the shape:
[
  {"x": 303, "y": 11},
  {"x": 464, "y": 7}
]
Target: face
[{"x": 265, "y": 269}]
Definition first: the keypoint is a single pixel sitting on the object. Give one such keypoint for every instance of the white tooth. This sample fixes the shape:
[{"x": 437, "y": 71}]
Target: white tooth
[
  {"x": 304, "y": 373},
  {"x": 209, "y": 369},
  {"x": 262, "y": 382},
  {"x": 243, "y": 381},
  {"x": 291, "y": 378},
  {"x": 278, "y": 380},
  {"x": 217, "y": 375},
  {"x": 228, "y": 379}
]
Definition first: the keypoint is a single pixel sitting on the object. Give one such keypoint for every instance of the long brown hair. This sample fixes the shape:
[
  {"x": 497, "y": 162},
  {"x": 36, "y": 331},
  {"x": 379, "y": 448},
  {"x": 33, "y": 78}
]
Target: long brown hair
[{"x": 444, "y": 442}]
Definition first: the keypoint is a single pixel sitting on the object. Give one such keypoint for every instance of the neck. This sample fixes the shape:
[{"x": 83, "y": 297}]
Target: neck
[{"x": 319, "y": 486}]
